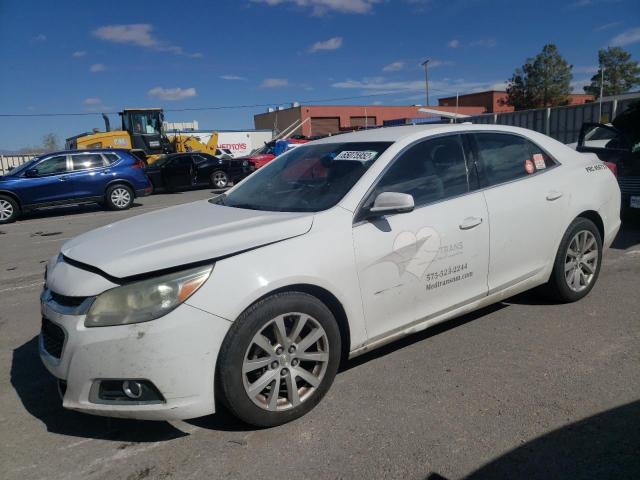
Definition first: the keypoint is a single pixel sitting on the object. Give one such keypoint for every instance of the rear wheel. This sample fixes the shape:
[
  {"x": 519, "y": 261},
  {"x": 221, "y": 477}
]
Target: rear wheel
[
  {"x": 9, "y": 209},
  {"x": 577, "y": 264},
  {"x": 119, "y": 197},
  {"x": 219, "y": 179},
  {"x": 279, "y": 359}
]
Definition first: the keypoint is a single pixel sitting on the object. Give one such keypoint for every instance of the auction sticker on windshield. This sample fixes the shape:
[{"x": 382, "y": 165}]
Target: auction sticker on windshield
[
  {"x": 362, "y": 156},
  {"x": 634, "y": 202}
]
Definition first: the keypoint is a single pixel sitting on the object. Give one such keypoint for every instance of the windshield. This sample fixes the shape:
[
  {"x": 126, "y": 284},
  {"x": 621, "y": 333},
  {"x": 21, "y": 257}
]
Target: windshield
[
  {"x": 266, "y": 150},
  {"x": 143, "y": 122},
  {"x": 309, "y": 178}
]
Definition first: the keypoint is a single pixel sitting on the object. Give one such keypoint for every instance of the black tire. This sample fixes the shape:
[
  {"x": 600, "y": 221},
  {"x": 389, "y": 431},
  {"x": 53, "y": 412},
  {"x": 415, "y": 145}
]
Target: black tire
[
  {"x": 239, "y": 339},
  {"x": 119, "y": 197},
  {"x": 9, "y": 209},
  {"x": 219, "y": 179},
  {"x": 558, "y": 286}
]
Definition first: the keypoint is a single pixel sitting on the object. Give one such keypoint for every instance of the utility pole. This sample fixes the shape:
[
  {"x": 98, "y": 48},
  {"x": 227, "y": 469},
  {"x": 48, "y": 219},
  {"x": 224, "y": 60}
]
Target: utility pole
[
  {"x": 601, "y": 91},
  {"x": 425, "y": 64}
]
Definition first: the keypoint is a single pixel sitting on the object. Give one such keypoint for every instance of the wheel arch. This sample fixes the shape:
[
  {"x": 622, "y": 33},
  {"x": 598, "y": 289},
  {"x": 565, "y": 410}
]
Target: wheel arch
[
  {"x": 118, "y": 181},
  {"x": 596, "y": 219},
  {"x": 8, "y": 193},
  {"x": 331, "y": 302}
]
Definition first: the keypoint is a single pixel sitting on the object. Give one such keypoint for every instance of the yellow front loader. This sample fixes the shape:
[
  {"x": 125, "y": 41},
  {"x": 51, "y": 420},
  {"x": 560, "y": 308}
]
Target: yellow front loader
[{"x": 143, "y": 134}]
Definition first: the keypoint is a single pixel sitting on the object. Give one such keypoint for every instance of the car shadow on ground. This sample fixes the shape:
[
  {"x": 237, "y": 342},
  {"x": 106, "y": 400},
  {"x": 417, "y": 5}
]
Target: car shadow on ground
[
  {"x": 605, "y": 445},
  {"x": 68, "y": 210},
  {"x": 38, "y": 393},
  {"x": 629, "y": 234}
]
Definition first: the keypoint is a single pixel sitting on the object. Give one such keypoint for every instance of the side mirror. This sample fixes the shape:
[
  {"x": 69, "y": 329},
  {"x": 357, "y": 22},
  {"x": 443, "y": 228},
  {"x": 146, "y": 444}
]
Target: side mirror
[
  {"x": 32, "y": 172},
  {"x": 391, "y": 202}
]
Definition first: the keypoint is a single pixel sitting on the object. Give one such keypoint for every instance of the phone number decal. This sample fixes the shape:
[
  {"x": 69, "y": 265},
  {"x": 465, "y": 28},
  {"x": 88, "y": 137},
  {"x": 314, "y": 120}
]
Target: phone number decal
[{"x": 445, "y": 272}]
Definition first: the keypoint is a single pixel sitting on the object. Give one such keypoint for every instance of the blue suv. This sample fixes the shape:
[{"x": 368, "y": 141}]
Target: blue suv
[{"x": 112, "y": 178}]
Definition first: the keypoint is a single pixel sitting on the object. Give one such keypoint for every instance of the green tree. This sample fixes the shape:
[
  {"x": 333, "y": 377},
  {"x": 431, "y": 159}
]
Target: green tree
[
  {"x": 621, "y": 73},
  {"x": 543, "y": 81},
  {"x": 50, "y": 142}
]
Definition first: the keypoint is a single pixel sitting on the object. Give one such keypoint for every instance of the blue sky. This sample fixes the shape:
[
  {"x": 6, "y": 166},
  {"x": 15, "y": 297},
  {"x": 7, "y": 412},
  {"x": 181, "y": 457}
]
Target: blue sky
[{"x": 92, "y": 56}]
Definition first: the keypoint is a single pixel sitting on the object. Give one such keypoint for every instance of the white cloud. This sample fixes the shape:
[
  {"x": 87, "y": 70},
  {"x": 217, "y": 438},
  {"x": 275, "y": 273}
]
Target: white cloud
[
  {"x": 232, "y": 77},
  {"x": 438, "y": 88},
  {"x": 78, "y": 54},
  {"x": 394, "y": 67},
  {"x": 440, "y": 63},
  {"x": 626, "y": 38},
  {"x": 606, "y": 26},
  {"x": 274, "y": 83},
  {"x": 333, "y": 43},
  {"x": 92, "y": 101},
  {"x": 140, "y": 35},
  {"x": 483, "y": 42},
  {"x": 172, "y": 94},
  {"x": 453, "y": 43},
  {"x": 587, "y": 69},
  {"x": 320, "y": 7},
  {"x": 39, "y": 38},
  {"x": 97, "y": 67}
]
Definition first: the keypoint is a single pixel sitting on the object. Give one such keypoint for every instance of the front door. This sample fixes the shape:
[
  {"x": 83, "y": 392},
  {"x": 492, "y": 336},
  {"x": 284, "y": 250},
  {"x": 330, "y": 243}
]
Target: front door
[
  {"x": 47, "y": 182},
  {"x": 416, "y": 265},
  {"x": 179, "y": 172}
]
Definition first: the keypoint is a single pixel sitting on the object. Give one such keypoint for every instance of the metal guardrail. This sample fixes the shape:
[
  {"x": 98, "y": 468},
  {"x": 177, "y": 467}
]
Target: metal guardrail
[
  {"x": 561, "y": 123},
  {"x": 7, "y": 161}
]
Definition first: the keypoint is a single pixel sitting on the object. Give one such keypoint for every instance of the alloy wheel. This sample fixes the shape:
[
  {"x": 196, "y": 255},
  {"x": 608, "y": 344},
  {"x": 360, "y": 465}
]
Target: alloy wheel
[
  {"x": 220, "y": 180},
  {"x": 285, "y": 362},
  {"x": 120, "y": 197},
  {"x": 6, "y": 210},
  {"x": 581, "y": 260}
]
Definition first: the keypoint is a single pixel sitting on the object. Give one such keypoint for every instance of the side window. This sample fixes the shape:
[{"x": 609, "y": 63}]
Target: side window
[
  {"x": 541, "y": 159},
  {"x": 430, "y": 171},
  {"x": 85, "y": 161},
  {"x": 185, "y": 161},
  {"x": 504, "y": 157},
  {"x": 52, "y": 165},
  {"x": 111, "y": 158}
]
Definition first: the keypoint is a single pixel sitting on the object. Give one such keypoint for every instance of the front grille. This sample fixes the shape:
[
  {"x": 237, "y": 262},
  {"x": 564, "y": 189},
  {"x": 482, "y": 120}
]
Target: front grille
[
  {"x": 65, "y": 301},
  {"x": 52, "y": 338},
  {"x": 629, "y": 185}
]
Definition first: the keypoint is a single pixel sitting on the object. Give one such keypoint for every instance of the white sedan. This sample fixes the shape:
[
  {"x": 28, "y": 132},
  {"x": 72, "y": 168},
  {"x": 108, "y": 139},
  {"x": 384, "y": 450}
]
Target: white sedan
[{"x": 339, "y": 246}]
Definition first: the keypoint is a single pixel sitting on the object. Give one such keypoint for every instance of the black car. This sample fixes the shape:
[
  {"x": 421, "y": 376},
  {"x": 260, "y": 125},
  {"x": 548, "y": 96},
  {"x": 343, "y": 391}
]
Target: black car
[
  {"x": 194, "y": 169},
  {"x": 618, "y": 144}
]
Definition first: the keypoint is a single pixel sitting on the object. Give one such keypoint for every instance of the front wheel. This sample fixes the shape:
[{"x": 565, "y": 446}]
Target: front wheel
[
  {"x": 279, "y": 359},
  {"x": 219, "y": 179},
  {"x": 577, "y": 264},
  {"x": 119, "y": 197},
  {"x": 9, "y": 209}
]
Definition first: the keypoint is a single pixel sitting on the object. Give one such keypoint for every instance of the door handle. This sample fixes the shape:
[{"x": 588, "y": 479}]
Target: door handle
[
  {"x": 553, "y": 195},
  {"x": 62, "y": 179},
  {"x": 470, "y": 222}
]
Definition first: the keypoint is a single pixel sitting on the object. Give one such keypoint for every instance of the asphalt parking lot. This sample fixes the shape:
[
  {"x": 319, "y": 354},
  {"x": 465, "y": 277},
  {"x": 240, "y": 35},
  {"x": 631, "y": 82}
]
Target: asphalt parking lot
[{"x": 523, "y": 389}]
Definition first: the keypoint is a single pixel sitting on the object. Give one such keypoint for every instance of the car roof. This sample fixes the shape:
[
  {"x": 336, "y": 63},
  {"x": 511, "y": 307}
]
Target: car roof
[
  {"x": 85, "y": 150},
  {"x": 395, "y": 134}
]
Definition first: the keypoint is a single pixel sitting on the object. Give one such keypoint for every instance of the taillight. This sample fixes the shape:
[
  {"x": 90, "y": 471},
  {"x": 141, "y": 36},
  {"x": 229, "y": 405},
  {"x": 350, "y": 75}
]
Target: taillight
[
  {"x": 613, "y": 167},
  {"x": 140, "y": 164}
]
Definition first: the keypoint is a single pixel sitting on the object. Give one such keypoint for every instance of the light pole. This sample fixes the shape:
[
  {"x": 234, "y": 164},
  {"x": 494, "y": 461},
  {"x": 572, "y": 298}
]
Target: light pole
[
  {"x": 601, "y": 91},
  {"x": 425, "y": 64}
]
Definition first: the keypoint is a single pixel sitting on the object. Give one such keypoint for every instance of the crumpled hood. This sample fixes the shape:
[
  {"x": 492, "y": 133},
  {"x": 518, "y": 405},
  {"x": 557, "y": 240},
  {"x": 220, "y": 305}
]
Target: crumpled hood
[{"x": 180, "y": 235}]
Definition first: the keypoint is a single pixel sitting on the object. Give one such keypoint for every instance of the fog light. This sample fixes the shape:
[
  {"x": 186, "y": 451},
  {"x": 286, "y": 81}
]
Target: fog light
[
  {"x": 125, "y": 391},
  {"x": 132, "y": 389}
]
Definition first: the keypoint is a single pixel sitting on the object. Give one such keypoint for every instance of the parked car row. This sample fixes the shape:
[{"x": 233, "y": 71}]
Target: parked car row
[{"x": 112, "y": 178}]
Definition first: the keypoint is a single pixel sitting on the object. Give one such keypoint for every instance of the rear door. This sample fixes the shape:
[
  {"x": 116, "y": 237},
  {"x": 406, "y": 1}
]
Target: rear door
[
  {"x": 50, "y": 182},
  {"x": 526, "y": 206},
  {"x": 414, "y": 266},
  {"x": 90, "y": 174}
]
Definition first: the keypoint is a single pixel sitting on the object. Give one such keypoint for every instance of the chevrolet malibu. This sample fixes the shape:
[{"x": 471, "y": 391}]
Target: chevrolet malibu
[{"x": 251, "y": 299}]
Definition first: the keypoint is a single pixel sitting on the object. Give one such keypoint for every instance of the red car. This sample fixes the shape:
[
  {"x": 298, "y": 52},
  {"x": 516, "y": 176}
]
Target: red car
[{"x": 264, "y": 155}]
